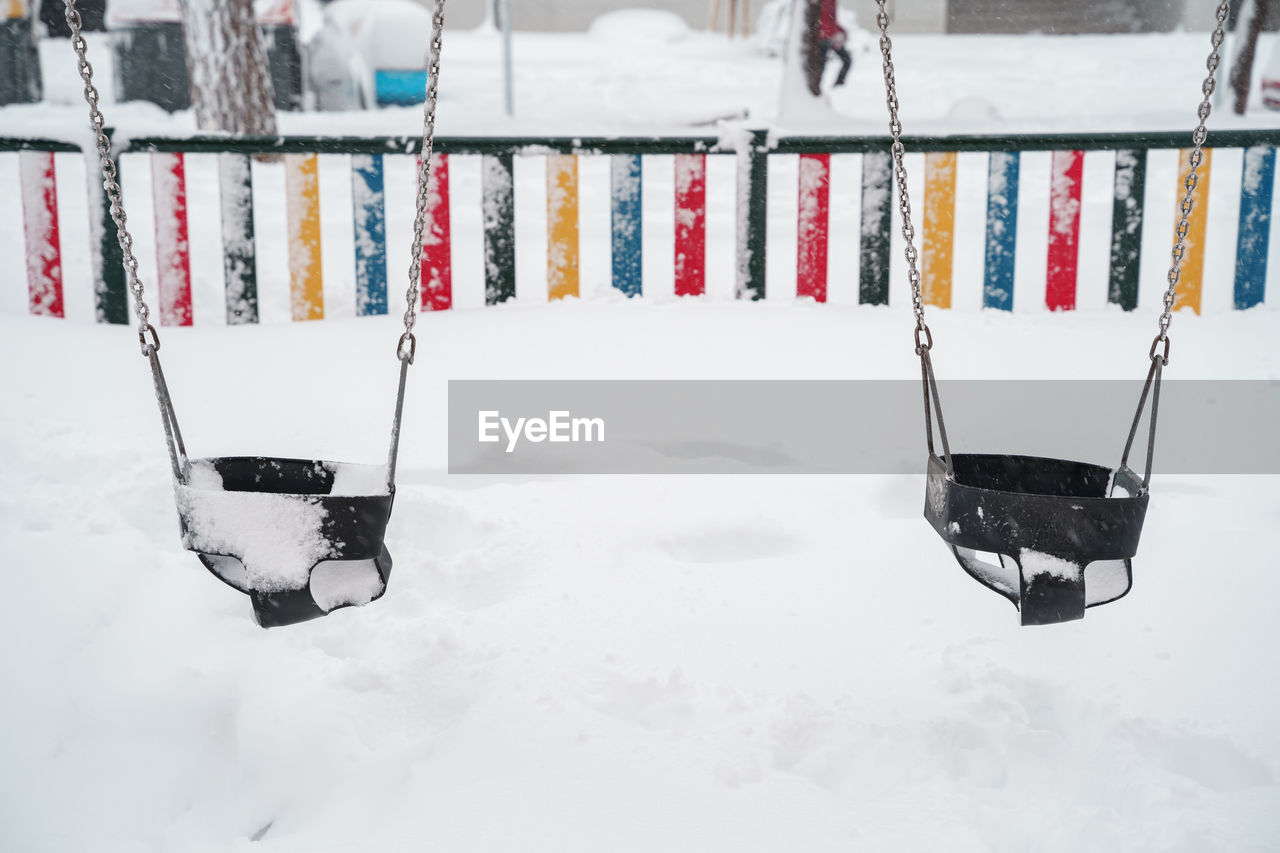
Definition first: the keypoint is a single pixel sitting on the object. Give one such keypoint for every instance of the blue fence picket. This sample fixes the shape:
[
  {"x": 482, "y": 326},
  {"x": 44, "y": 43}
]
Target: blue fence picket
[
  {"x": 1257, "y": 182},
  {"x": 627, "y": 223},
  {"x": 1002, "y": 230},
  {"x": 369, "y": 214}
]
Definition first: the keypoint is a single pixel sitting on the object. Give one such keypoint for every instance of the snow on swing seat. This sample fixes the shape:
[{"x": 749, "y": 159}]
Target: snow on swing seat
[{"x": 300, "y": 537}]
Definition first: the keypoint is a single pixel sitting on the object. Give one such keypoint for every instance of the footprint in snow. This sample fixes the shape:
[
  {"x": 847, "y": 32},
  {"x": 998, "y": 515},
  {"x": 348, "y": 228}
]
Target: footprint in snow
[
  {"x": 732, "y": 544},
  {"x": 1214, "y": 762},
  {"x": 441, "y": 527}
]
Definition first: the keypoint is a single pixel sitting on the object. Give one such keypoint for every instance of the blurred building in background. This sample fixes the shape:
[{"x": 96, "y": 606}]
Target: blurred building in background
[{"x": 925, "y": 16}]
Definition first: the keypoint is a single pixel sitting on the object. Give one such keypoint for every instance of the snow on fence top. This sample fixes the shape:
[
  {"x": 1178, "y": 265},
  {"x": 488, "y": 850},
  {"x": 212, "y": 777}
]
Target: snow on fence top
[{"x": 132, "y": 12}]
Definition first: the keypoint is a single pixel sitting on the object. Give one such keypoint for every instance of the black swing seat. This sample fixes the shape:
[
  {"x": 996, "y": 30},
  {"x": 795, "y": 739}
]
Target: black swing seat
[
  {"x": 301, "y": 538},
  {"x": 1064, "y": 532}
]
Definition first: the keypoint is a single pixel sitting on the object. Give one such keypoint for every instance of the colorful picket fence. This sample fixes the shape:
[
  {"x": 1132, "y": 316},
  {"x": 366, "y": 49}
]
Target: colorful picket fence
[{"x": 752, "y": 151}]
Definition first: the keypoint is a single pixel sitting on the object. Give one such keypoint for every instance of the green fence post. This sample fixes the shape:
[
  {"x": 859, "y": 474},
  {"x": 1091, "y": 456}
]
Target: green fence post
[
  {"x": 753, "y": 186},
  {"x": 1126, "y": 228},
  {"x": 239, "y": 248},
  {"x": 498, "y": 189},
  {"x": 111, "y": 294},
  {"x": 873, "y": 237}
]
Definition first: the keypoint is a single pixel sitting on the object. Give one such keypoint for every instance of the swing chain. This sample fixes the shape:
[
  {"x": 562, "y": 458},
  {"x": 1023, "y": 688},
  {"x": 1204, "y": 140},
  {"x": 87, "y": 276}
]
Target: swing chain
[
  {"x": 110, "y": 184},
  {"x": 1195, "y": 158},
  {"x": 900, "y": 174},
  {"x": 407, "y": 344}
]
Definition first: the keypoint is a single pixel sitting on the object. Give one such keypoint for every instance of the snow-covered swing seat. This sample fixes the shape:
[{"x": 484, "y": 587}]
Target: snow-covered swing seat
[
  {"x": 1063, "y": 532},
  {"x": 301, "y": 538}
]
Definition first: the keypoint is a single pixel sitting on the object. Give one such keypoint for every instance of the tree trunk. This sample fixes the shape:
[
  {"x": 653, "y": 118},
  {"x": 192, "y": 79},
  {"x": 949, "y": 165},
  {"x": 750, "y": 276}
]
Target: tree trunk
[
  {"x": 231, "y": 91},
  {"x": 230, "y": 85},
  {"x": 811, "y": 52},
  {"x": 1253, "y": 18}
]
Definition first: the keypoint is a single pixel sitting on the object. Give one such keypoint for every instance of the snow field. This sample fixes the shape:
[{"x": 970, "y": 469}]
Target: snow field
[
  {"x": 577, "y": 663},
  {"x": 640, "y": 663}
]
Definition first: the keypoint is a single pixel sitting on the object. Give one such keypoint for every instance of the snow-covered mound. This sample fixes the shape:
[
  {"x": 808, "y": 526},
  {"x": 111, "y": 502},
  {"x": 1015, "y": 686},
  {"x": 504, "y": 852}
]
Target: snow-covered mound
[
  {"x": 387, "y": 33},
  {"x": 640, "y": 25}
]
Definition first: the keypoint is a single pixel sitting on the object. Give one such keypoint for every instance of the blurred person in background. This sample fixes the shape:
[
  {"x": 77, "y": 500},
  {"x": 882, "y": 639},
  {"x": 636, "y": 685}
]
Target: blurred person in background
[{"x": 834, "y": 39}]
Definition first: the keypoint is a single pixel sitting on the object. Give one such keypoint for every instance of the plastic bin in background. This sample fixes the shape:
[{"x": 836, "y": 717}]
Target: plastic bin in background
[{"x": 400, "y": 88}]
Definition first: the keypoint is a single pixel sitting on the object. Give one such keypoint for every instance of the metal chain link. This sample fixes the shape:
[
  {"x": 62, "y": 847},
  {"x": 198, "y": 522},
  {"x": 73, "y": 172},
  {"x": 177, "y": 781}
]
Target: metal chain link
[
  {"x": 110, "y": 183},
  {"x": 405, "y": 348},
  {"x": 1198, "y": 137},
  {"x": 900, "y": 173}
]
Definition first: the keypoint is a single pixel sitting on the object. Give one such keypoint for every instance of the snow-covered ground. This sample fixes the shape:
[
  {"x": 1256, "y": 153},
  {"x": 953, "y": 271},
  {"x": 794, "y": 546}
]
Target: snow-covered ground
[
  {"x": 638, "y": 663},
  {"x": 610, "y": 663}
]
